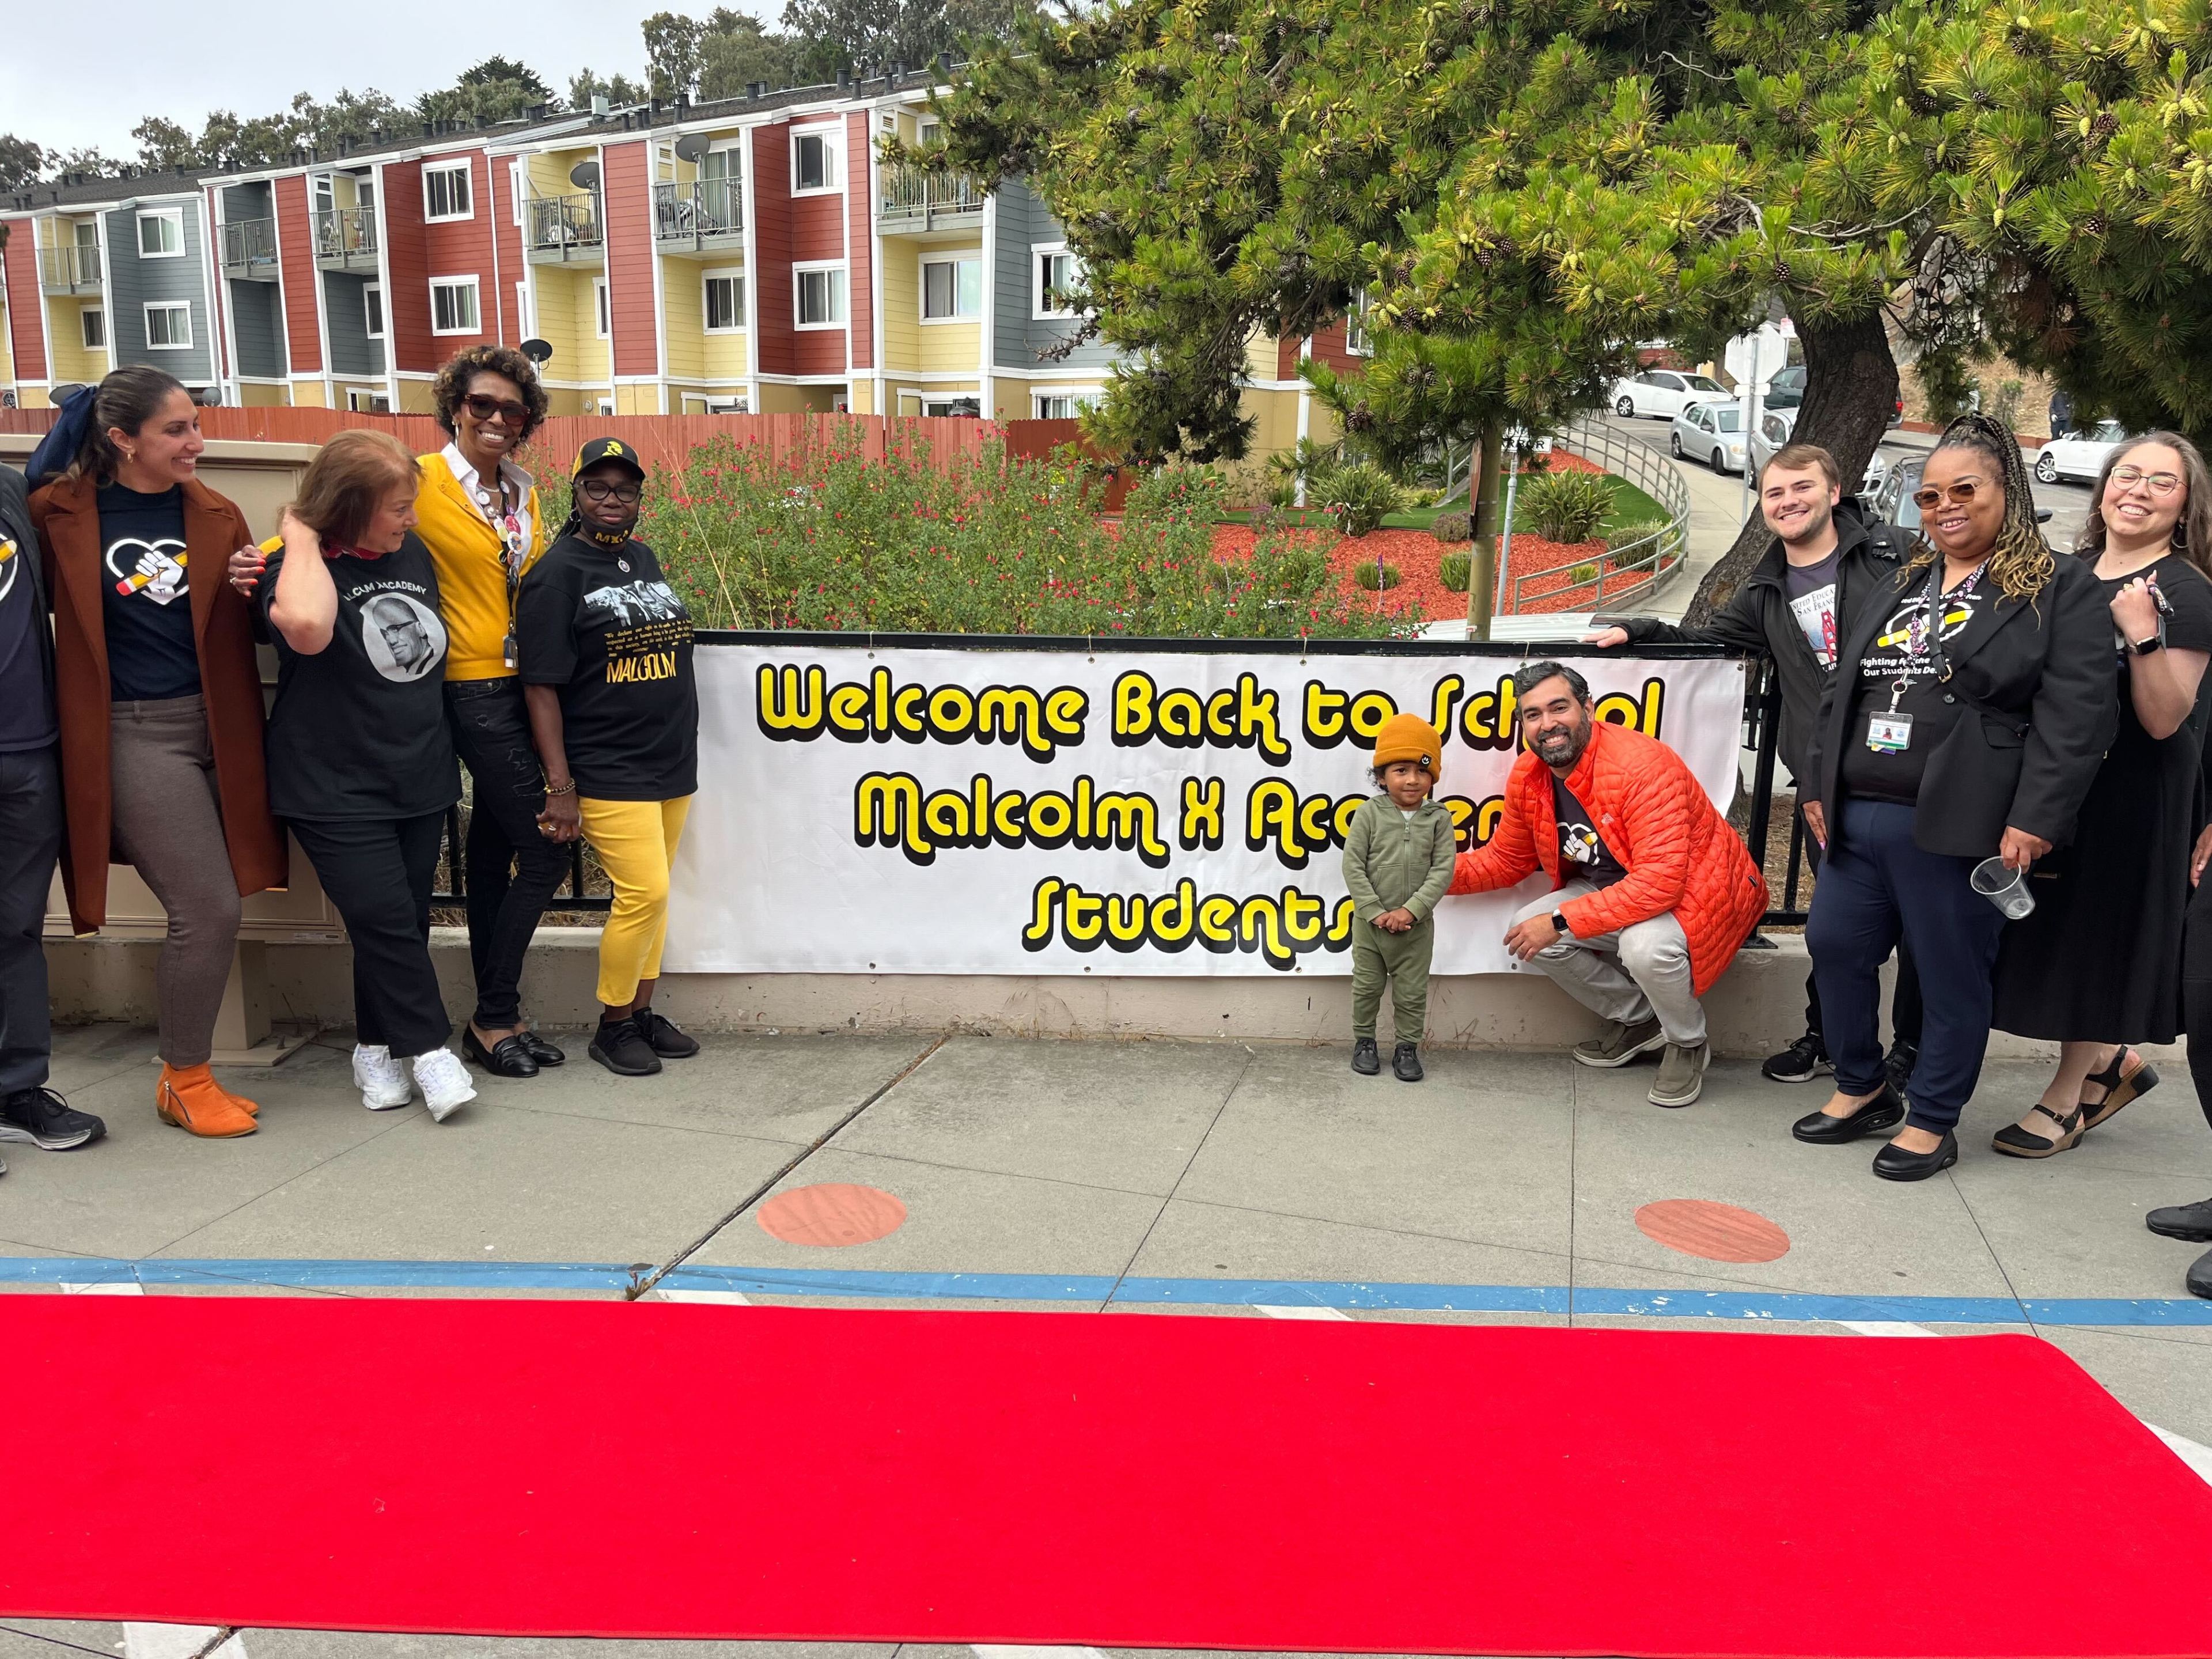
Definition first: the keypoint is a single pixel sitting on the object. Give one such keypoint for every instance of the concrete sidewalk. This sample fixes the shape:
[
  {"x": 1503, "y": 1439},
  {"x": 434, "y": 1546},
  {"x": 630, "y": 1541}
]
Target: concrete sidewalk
[{"x": 1137, "y": 1176}]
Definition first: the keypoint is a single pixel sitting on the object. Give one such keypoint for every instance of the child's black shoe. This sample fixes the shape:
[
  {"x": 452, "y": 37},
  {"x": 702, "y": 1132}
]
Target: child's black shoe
[
  {"x": 1407, "y": 1063},
  {"x": 1366, "y": 1058}
]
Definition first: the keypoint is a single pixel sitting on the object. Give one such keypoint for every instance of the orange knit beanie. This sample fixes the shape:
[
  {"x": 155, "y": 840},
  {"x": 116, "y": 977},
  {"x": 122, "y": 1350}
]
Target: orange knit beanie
[{"x": 1410, "y": 738}]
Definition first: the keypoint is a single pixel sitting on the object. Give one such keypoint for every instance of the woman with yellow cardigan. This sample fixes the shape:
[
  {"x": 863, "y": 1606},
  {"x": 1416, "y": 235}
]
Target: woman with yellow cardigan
[{"x": 477, "y": 512}]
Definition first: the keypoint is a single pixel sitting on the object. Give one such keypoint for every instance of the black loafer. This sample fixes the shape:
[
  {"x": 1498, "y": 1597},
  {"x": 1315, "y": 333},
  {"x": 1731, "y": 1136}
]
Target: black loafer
[
  {"x": 1406, "y": 1064},
  {"x": 507, "y": 1057},
  {"x": 1884, "y": 1111},
  {"x": 2190, "y": 1221},
  {"x": 2200, "y": 1276},
  {"x": 1366, "y": 1058},
  {"x": 620, "y": 1047},
  {"x": 661, "y": 1031},
  {"x": 539, "y": 1049},
  {"x": 1894, "y": 1163}
]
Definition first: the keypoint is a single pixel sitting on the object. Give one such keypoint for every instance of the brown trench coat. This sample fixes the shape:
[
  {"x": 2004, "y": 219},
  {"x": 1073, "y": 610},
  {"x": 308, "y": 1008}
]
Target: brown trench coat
[{"x": 67, "y": 514}]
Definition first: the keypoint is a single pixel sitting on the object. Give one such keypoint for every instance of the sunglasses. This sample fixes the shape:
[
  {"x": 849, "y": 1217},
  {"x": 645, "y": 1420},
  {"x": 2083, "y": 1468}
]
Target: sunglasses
[
  {"x": 2161, "y": 484},
  {"x": 1959, "y": 494},
  {"x": 501, "y": 408},
  {"x": 597, "y": 489}
]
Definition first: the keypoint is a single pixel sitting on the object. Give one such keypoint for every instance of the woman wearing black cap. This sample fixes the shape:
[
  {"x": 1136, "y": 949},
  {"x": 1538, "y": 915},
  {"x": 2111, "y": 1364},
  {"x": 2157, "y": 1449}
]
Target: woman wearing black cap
[{"x": 605, "y": 651}]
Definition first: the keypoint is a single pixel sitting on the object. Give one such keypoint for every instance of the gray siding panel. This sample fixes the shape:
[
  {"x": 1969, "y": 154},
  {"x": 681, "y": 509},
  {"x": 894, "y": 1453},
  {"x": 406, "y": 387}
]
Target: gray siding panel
[
  {"x": 258, "y": 326},
  {"x": 1024, "y": 222},
  {"x": 134, "y": 282},
  {"x": 345, "y": 314}
]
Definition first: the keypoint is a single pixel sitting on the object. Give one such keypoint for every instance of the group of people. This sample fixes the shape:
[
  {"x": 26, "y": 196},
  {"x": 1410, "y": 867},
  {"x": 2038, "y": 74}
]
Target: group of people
[
  {"x": 1999, "y": 759},
  {"x": 424, "y": 618}
]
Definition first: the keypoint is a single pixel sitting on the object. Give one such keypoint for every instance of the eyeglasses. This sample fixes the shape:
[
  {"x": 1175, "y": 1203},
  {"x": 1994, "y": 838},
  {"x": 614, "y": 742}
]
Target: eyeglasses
[
  {"x": 2161, "y": 484},
  {"x": 596, "y": 490},
  {"x": 504, "y": 409},
  {"x": 1960, "y": 493}
]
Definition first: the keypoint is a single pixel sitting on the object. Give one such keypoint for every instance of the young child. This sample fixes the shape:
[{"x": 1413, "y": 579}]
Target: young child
[{"x": 1397, "y": 863}]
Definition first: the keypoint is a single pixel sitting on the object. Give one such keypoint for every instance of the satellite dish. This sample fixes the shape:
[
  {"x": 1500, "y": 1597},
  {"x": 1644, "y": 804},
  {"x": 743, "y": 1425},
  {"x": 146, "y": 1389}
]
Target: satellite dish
[
  {"x": 691, "y": 146},
  {"x": 207, "y": 396},
  {"x": 537, "y": 351},
  {"x": 585, "y": 175}
]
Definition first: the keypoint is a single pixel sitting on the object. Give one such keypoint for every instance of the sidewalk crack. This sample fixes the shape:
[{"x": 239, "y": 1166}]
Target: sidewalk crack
[{"x": 1250, "y": 1056}]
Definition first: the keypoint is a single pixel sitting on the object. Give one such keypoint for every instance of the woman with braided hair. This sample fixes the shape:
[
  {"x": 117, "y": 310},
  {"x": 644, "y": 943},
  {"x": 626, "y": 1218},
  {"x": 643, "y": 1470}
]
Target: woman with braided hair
[{"x": 1973, "y": 704}]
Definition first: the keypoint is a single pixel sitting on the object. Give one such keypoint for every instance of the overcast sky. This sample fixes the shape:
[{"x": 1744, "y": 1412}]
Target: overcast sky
[{"x": 251, "y": 56}]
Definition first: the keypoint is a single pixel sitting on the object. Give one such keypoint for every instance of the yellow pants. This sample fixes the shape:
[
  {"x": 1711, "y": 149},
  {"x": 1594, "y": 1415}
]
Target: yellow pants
[{"x": 635, "y": 840}]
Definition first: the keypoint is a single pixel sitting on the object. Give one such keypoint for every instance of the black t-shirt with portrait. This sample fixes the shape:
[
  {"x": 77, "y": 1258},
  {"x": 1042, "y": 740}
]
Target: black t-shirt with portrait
[
  {"x": 1582, "y": 851},
  {"x": 359, "y": 730},
  {"x": 145, "y": 595},
  {"x": 601, "y": 623},
  {"x": 1899, "y": 650}
]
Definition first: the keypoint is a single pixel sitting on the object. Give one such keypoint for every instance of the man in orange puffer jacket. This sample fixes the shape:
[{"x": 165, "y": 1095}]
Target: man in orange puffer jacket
[{"x": 1652, "y": 892}]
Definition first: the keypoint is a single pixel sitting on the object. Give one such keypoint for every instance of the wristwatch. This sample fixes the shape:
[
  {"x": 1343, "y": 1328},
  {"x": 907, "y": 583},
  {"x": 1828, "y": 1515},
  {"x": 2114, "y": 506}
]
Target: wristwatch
[
  {"x": 2144, "y": 648},
  {"x": 1559, "y": 921}
]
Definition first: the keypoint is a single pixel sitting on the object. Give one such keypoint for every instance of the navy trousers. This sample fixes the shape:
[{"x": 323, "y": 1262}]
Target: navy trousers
[{"x": 1877, "y": 887}]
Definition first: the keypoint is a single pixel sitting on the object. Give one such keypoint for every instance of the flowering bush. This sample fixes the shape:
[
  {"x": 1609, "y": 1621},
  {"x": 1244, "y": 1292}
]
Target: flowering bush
[{"x": 827, "y": 537}]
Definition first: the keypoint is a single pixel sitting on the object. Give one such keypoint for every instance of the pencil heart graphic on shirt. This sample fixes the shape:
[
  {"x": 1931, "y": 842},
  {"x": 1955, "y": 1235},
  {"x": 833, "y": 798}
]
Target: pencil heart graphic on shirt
[{"x": 156, "y": 568}]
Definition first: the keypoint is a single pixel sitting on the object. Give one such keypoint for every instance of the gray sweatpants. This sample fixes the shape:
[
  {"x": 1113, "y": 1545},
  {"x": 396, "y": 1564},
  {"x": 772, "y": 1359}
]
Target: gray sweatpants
[
  {"x": 168, "y": 825},
  {"x": 1640, "y": 972}
]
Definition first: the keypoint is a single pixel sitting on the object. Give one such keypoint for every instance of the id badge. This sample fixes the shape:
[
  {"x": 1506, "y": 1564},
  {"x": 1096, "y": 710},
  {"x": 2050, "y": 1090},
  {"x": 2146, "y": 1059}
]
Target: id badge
[
  {"x": 507, "y": 655},
  {"x": 1889, "y": 733}
]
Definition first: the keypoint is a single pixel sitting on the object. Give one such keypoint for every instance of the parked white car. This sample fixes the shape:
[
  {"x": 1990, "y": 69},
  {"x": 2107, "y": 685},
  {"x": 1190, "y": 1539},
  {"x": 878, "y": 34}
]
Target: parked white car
[
  {"x": 1711, "y": 433},
  {"x": 1664, "y": 392},
  {"x": 1775, "y": 426},
  {"x": 2079, "y": 458}
]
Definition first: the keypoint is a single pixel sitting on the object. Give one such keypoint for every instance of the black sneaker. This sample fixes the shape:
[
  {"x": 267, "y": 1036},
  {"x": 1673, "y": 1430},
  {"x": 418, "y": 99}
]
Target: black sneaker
[
  {"x": 1800, "y": 1063},
  {"x": 1405, "y": 1063},
  {"x": 661, "y": 1031},
  {"x": 43, "y": 1118},
  {"x": 1897, "y": 1064},
  {"x": 620, "y": 1047},
  {"x": 1366, "y": 1059}
]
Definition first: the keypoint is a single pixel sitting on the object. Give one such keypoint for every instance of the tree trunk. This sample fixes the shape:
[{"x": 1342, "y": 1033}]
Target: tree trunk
[
  {"x": 1850, "y": 390},
  {"x": 1485, "y": 487}
]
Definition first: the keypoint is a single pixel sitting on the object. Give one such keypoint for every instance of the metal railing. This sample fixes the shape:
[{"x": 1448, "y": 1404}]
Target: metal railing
[
  {"x": 248, "y": 242},
  {"x": 345, "y": 233},
  {"x": 1632, "y": 570},
  {"x": 69, "y": 264},
  {"x": 921, "y": 196},
  {"x": 694, "y": 212},
  {"x": 565, "y": 224}
]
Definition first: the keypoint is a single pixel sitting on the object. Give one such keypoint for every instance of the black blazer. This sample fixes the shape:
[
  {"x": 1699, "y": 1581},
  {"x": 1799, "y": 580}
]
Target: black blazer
[{"x": 2042, "y": 707}]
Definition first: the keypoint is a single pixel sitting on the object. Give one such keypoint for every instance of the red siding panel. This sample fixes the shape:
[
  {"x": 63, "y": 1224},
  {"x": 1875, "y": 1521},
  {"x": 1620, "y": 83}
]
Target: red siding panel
[
  {"x": 861, "y": 274},
  {"x": 407, "y": 301},
  {"x": 1286, "y": 360},
  {"x": 26, "y": 302},
  {"x": 633, "y": 311},
  {"x": 771, "y": 170},
  {"x": 506, "y": 248},
  {"x": 817, "y": 232},
  {"x": 462, "y": 247},
  {"x": 1328, "y": 347},
  {"x": 302, "y": 281}
]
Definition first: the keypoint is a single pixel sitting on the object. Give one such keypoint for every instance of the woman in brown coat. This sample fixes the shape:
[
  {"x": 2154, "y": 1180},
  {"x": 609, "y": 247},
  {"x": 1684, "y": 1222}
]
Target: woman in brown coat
[{"x": 158, "y": 698}]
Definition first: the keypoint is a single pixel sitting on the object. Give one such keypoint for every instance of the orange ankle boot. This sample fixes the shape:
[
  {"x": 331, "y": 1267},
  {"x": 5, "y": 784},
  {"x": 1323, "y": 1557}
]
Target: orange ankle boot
[
  {"x": 190, "y": 1097},
  {"x": 252, "y": 1109}
]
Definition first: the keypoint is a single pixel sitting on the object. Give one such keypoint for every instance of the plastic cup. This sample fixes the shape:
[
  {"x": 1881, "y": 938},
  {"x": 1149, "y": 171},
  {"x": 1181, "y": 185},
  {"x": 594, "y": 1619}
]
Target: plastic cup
[{"x": 2004, "y": 887}]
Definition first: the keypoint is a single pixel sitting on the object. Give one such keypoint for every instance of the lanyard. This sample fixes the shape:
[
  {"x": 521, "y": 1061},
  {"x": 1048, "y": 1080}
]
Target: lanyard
[
  {"x": 514, "y": 547},
  {"x": 1924, "y": 633}
]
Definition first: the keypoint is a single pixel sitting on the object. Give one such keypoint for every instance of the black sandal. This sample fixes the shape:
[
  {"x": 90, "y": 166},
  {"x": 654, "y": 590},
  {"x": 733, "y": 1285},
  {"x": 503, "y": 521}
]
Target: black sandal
[
  {"x": 2015, "y": 1142},
  {"x": 2118, "y": 1090}
]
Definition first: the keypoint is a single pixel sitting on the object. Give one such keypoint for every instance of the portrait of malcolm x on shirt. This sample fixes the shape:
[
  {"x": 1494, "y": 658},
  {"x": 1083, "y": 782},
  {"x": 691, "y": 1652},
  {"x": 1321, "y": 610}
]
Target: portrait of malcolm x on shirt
[{"x": 405, "y": 641}]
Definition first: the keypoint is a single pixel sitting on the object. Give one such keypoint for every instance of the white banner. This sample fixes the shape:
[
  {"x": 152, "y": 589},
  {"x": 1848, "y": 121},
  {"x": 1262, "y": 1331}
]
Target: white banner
[{"x": 1119, "y": 812}]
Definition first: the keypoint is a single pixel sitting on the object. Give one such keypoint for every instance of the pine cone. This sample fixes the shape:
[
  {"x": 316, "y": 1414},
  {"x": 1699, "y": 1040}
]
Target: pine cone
[
  {"x": 2094, "y": 225},
  {"x": 2105, "y": 125},
  {"x": 1361, "y": 419}
]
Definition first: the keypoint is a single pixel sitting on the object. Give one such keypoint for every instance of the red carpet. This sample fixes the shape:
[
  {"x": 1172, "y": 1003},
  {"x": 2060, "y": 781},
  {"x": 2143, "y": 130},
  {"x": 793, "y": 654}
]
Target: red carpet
[{"x": 591, "y": 1468}]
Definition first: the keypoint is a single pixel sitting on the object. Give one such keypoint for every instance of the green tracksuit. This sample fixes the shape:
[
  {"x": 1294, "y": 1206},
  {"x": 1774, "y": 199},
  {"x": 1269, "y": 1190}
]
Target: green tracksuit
[{"x": 1392, "y": 862}]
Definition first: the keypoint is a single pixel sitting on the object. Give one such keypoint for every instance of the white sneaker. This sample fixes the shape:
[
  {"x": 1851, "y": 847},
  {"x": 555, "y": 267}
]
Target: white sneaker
[
  {"x": 382, "y": 1082},
  {"x": 446, "y": 1085}
]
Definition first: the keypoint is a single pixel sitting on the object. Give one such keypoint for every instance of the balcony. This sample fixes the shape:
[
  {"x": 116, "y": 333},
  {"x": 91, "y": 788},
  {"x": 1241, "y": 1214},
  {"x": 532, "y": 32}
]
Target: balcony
[
  {"x": 249, "y": 249},
  {"x": 565, "y": 230},
  {"x": 70, "y": 268},
  {"x": 345, "y": 238},
  {"x": 916, "y": 201},
  {"x": 705, "y": 217}
]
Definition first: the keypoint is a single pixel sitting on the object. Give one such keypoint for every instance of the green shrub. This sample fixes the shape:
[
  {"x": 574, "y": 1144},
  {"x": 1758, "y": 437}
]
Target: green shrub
[
  {"x": 1628, "y": 535},
  {"x": 1449, "y": 527},
  {"x": 1358, "y": 497},
  {"x": 1582, "y": 572},
  {"x": 1566, "y": 507},
  {"x": 1375, "y": 577},
  {"x": 1452, "y": 571}
]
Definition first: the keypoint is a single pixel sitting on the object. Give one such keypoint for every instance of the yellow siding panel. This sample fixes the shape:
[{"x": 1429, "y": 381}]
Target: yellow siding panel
[
  {"x": 65, "y": 335},
  {"x": 902, "y": 301},
  {"x": 951, "y": 348},
  {"x": 253, "y": 396},
  {"x": 724, "y": 355},
  {"x": 683, "y": 315}
]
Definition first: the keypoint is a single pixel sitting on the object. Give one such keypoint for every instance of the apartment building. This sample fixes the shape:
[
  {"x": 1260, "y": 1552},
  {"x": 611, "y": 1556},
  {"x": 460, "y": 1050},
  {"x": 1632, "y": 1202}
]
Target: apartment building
[{"x": 754, "y": 254}]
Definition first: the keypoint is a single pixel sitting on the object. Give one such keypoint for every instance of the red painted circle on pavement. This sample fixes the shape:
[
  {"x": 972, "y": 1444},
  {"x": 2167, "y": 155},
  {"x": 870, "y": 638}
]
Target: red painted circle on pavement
[
  {"x": 832, "y": 1213},
  {"x": 1718, "y": 1232}
]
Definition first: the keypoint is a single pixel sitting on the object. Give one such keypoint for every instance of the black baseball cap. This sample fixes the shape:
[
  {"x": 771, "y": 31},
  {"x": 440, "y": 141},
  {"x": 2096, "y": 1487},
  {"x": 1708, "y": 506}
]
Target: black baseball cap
[{"x": 608, "y": 449}]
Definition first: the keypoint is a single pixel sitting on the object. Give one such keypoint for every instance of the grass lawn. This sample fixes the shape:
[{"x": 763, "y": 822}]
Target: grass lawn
[
  {"x": 1629, "y": 505},
  {"x": 1413, "y": 517}
]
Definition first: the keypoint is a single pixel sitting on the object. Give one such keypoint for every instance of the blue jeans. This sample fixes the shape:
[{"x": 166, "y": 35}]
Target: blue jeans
[{"x": 1876, "y": 886}]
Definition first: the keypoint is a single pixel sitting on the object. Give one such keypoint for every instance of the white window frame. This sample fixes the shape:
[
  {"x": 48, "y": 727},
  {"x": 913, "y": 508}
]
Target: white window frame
[
  {"x": 606, "y": 405},
  {"x": 372, "y": 316},
  {"x": 172, "y": 345},
  {"x": 725, "y": 274},
  {"x": 364, "y": 399},
  {"x": 524, "y": 319},
  {"x": 518, "y": 179},
  {"x": 172, "y": 215},
  {"x": 84, "y": 314},
  {"x": 468, "y": 184},
  {"x": 1040, "y": 303},
  {"x": 476, "y": 303},
  {"x": 602, "y": 308},
  {"x": 923, "y": 398},
  {"x": 956, "y": 257},
  {"x": 833, "y": 149},
  {"x": 1081, "y": 394},
  {"x": 800, "y": 273},
  {"x": 1358, "y": 341}
]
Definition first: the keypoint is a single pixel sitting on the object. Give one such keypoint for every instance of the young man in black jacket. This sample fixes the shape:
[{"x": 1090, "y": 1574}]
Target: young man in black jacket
[
  {"x": 1790, "y": 608},
  {"x": 30, "y": 837}
]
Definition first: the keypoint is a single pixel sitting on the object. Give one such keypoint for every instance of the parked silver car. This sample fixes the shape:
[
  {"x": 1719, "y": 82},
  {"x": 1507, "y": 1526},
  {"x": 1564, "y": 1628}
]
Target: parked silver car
[
  {"x": 1775, "y": 426},
  {"x": 1711, "y": 433},
  {"x": 2079, "y": 458},
  {"x": 1664, "y": 393}
]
